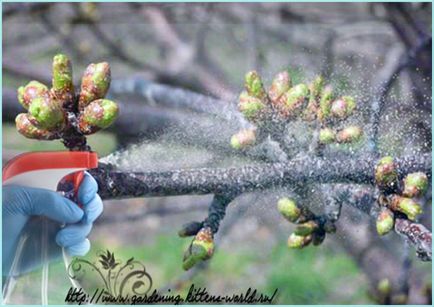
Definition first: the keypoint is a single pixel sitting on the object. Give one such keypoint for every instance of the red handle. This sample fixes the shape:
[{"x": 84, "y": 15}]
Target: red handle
[{"x": 70, "y": 185}]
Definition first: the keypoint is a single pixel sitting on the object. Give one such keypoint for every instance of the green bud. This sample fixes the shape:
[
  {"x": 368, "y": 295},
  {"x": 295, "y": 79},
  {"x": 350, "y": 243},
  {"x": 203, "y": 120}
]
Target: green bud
[
  {"x": 327, "y": 136},
  {"x": 405, "y": 205},
  {"x": 201, "y": 249},
  {"x": 94, "y": 84},
  {"x": 32, "y": 90},
  {"x": 48, "y": 113},
  {"x": 294, "y": 100},
  {"x": 254, "y": 86},
  {"x": 280, "y": 85},
  {"x": 384, "y": 286},
  {"x": 99, "y": 114},
  {"x": 415, "y": 184},
  {"x": 252, "y": 108},
  {"x": 386, "y": 174},
  {"x": 385, "y": 221},
  {"x": 288, "y": 208},
  {"x": 243, "y": 139},
  {"x": 349, "y": 134},
  {"x": 63, "y": 87},
  {"x": 26, "y": 128},
  {"x": 325, "y": 102},
  {"x": 315, "y": 89},
  {"x": 316, "y": 86},
  {"x": 295, "y": 241},
  {"x": 190, "y": 229},
  {"x": 306, "y": 228},
  {"x": 343, "y": 107}
]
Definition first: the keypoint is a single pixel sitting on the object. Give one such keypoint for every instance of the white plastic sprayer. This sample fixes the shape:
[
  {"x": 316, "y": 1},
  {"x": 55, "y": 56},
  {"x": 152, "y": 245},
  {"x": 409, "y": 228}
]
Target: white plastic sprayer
[{"x": 45, "y": 170}]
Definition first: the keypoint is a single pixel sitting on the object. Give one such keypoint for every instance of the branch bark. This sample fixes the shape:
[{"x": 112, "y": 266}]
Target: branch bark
[{"x": 116, "y": 184}]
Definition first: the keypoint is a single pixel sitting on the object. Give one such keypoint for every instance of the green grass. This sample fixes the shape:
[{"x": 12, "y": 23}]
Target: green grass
[{"x": 312, "y": 275}]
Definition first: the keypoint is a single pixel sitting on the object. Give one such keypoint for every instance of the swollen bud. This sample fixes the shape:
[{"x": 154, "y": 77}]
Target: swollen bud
[
  {"x": 254, "y": 86},
  {"x": 343, "y": 107},
  {"x": 315, "y": 89},
  {"x": 94, "y": 84},
  {"x": 47, "y": 112},
  {"x": 415, "y": 184},
  {"x": 385, "y": 221},
  {"x": 405, "y": 205},
  {"x": 99, "y": 114},
  {"x": 327, "y": 136},
  {"x": 288, "y": 208},
  {"x": 294, "y": 100},
  {"x": 349, "y": 134},
  {"x": 190, "y": 229},
  {"x": 201, "y": 248},
  {"x": 243, "y": 139},
  {"x": 63, "y": 87},
  {"x": 325, "y": 102},
  {"x": 26, "y": 128},
  {"x": 384, "y": 286},
  {"x": 306, "y": 228},
  {"x": 280, "y": 85},
  {"x": 386, "y": 174},
  {"x": 295, "y": 241},
  {"x": 251, "y": 107},
  {"x": 32, "y": 90}
]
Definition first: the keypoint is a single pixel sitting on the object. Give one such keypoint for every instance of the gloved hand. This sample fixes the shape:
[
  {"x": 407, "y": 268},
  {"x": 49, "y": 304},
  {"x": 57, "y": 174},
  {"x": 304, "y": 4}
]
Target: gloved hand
[{"x": 21, "y": 208}]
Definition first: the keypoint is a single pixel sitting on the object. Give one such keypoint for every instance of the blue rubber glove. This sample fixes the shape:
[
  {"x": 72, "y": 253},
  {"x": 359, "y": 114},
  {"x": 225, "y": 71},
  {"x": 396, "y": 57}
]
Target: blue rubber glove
[{"x": 21, "y": 208}]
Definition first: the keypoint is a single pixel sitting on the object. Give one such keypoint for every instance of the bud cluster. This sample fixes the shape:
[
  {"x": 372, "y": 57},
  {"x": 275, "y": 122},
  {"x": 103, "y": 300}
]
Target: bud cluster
[
  {"x": 285, "y": 102},
  {"x": 49, "y": 110},
  {"x": 397, "y": 197},
  {"x": 310, "y": 228}
]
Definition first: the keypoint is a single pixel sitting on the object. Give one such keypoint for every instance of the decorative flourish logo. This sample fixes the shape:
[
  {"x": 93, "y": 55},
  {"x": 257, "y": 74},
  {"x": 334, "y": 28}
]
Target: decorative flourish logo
[{"x": 115, "y": 278}]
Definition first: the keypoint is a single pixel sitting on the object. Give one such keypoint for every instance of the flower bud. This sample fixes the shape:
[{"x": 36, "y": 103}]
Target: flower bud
[
  {"x": 294, "y": 100},
  {"x": 327, "y": 136},
  {"x": 243, "y": 139},
  {"x": 31, "y": 91},
  {"x": 415, "y": 185},
  {"x": 63, "y": 87},
  {"x": 384, "y": 286},
  {"x": 201, "y": 248},
  {"x": 317, "y": 86},
  {"x": 385, "y": 221},
  {"x": 386, "y": 174},
  {"x": 99, "y": 114},
  {"x": 252, "y": 108},
  {"x": 280, "y": 85},
  {"x": 47, "y": 112},
  {"x": 343, "y": 107},
  {"x": 288, "y": 208},
  {"x": 94, "y": 84},
  {"x": 26, "y": 128},
  {"x": 405, "y": 205},
  {"x": 295, "y": 241},
  {"x": 325, "y": 102},
  {"x": 315, "y": 89},
  {"x": 190, "y": 229},
  {"x": 254, "y": 86},
  {"x": 349, "y": 134},
  {"x": 306, "y": 228}
]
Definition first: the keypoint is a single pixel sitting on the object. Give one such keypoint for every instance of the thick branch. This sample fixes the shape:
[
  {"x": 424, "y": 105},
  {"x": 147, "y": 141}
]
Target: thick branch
[{"x": 113, "y": 184}]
